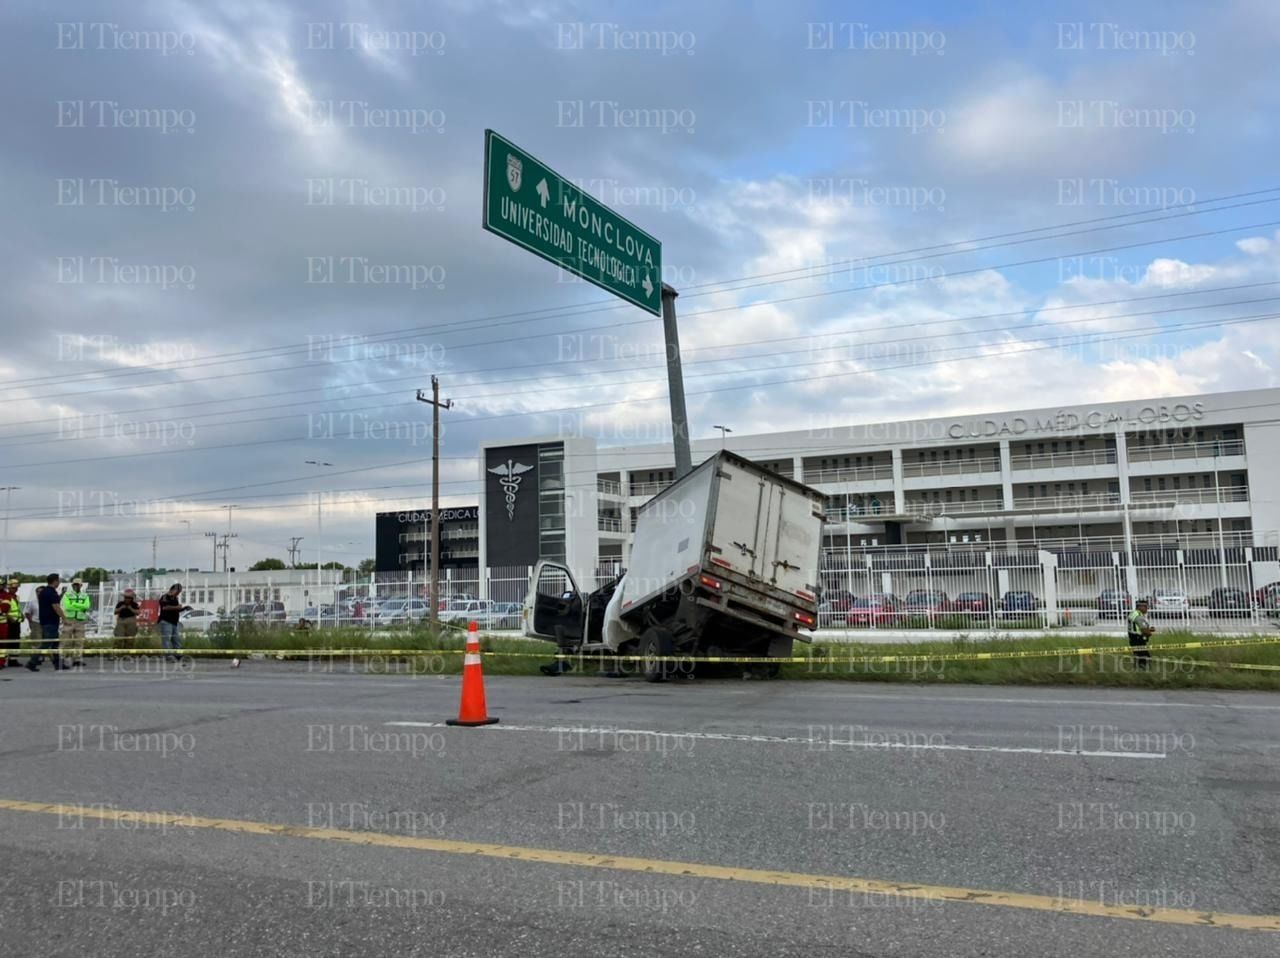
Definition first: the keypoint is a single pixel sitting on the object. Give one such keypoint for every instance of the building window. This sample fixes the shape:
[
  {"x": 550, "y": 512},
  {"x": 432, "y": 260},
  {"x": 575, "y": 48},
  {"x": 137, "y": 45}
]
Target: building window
[{"x": 551, "y": 502}]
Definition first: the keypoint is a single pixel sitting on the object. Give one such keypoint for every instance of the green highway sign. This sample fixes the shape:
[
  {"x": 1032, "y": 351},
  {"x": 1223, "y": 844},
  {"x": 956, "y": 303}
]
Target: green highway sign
[{"x": 532, "y": 205}]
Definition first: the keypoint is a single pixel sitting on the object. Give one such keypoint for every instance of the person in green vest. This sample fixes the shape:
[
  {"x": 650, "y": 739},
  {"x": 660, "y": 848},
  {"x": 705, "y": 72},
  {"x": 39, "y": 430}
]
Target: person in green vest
[
  {"x": 1140, "y": 632},
  {"x": 76, "y": 606},
  {"x": 11, "y": 625}
]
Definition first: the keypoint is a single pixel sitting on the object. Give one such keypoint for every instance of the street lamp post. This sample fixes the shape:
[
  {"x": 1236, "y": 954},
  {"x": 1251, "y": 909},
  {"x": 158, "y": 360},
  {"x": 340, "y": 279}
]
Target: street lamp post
[
  {"x": 724, "y": 431},
  {"x": 4, "y": 554},
  {"x": 320, "y": 464}
]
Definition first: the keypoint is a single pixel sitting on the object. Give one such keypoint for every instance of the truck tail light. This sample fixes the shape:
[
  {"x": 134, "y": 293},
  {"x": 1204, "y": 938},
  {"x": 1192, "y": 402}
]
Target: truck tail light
[
  {"x": 710, "y": 583},
  {"x": 804, "y": 618}
]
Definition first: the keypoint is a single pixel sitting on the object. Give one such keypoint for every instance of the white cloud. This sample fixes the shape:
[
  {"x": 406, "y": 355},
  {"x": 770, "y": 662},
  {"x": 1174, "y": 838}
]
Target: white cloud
[{"x": 1175, "y": 274}]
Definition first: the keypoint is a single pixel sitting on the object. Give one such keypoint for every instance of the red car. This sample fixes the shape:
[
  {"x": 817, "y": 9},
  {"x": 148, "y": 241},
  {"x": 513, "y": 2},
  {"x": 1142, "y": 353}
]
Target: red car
[
  {"x": 841, "y": 600},
  {"x": 874, "y": 610},
  {"x": 973, "y": 603}
]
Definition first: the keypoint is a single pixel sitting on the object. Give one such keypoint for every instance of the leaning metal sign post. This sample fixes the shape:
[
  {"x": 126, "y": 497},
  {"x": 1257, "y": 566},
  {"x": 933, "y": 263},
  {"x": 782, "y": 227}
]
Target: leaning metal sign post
[{"x": 533, "y": 206}]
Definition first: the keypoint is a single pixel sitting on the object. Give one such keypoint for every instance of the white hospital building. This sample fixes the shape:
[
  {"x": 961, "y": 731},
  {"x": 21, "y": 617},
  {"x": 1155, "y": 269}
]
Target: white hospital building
[{"x": 1186, "y": 472}]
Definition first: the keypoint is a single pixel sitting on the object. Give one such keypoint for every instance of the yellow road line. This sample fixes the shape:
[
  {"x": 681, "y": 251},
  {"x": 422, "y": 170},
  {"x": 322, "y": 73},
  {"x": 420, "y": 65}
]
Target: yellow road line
[{"x": 651, "y": 866}]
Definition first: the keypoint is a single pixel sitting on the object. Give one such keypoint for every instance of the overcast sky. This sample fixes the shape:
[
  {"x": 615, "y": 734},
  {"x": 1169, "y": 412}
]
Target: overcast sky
[{"x": 175, "y": 172}]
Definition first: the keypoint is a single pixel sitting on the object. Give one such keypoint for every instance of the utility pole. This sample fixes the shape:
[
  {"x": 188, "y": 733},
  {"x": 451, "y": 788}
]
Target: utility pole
[
  {"x": 4, "y": 558},
  {"x": 436, "y": 406},
  {"x": 225, "y": 546},
  {"x": 155, "y": 541},
  {"x": 675, "y": 384},
  {"x": 294, "y": 550}
]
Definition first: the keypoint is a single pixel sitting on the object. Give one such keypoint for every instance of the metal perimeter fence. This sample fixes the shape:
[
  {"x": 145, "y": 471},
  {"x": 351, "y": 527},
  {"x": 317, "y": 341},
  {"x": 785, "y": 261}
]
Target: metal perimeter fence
[{"x": 1205, "y": 589}]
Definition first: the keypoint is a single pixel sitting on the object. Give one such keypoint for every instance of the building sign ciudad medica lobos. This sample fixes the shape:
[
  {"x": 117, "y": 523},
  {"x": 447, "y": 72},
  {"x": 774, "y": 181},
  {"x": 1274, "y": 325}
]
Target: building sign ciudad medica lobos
[{"x": 1066, "y": 421}]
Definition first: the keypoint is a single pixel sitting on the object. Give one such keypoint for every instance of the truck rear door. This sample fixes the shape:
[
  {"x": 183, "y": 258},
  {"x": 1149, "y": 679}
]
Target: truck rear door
[{"x": 766, "y": 529}]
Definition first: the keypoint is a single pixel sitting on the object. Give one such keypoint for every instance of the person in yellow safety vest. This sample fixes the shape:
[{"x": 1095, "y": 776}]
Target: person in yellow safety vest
[
  {"x": 11, "y": 624},
  {"x": 75, "y": 606},
  {"x": 1140, "y": 632}
]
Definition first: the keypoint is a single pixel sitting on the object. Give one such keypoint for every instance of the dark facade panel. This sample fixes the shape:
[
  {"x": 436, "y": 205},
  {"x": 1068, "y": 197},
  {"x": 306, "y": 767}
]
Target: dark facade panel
[{"x": 511, "y": 505}]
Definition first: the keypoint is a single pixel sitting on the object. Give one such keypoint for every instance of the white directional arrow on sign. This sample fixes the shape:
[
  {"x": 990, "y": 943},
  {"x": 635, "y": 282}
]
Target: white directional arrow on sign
[
  {"x": 648, "y": 285},
  {"x": 543, "y": 191}
]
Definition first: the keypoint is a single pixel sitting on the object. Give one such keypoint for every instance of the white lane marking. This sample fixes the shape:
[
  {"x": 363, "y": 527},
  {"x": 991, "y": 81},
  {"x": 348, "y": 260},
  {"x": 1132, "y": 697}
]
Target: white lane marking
[
  {"x": 881, "y": 696},
  {"x": 324, "y": 677},
  {"x": 824, "y": 744}
]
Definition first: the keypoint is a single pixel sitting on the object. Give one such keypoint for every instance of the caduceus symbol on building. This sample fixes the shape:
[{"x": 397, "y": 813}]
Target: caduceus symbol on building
[{"x": 509, "y": 475}]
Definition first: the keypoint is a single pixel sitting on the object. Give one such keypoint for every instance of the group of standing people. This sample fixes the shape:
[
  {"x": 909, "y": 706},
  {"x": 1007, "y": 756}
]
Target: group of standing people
[{"x": 58, "y": 619}]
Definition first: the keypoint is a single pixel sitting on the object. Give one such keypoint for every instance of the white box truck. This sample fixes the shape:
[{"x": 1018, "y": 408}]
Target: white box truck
[{"x": 724, "y": 562}]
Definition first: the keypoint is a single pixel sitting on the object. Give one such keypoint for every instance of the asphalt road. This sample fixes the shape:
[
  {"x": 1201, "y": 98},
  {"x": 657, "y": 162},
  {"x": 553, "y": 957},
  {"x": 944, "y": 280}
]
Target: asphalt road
[{"x": 1107, "y": 802}]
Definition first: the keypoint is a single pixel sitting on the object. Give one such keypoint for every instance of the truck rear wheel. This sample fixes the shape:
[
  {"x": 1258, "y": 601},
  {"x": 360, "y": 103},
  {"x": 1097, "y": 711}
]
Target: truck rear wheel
[{"x": 653, "y": 644}]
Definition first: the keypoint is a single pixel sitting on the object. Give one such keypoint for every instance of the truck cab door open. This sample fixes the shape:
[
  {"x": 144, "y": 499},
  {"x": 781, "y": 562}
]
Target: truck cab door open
[{"x": 555, "y": 605}]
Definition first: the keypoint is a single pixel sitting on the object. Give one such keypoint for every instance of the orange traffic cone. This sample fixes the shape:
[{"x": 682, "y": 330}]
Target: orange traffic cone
[{"x": 472, "y": 711}]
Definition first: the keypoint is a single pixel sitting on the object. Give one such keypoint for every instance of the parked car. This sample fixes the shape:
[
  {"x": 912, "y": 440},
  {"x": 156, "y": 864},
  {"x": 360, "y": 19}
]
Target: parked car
[
  {"x": 1226, "y": 603},
  {"x": 259, "y": 612},
  {"x": 1018, "y": 604},
  {"x": 874, "y": 610},
  {"x": 973, "y": 604},
  {"x": 462, "y": 612},
  {"x": 400, "y": 611},
  {"x": 198, "y": 620},
  {"x": 1169, "y": 602},
  {"x": 926, "y": 602},
  {"x": 840, "y": 600},
  {"x": 1114, "y": 604},
  {"x": 1268, "y": 596},
  {"x": 507, "y": 615}
]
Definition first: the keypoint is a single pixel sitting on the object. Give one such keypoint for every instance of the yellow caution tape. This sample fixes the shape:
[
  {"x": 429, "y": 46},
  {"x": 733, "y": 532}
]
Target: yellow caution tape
[{"x": 722, "y": 659}]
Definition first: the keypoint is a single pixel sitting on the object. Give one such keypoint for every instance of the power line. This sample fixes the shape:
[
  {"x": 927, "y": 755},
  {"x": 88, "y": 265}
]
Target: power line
[
  {"x": 1141, "y": 333},
  {"x": 39, "y": 438},
  {"x": 219, "y": 359},
  {"x": 743, "y": 307},
  {"x": 604, "y": 454},
  {"x": 542, "y": 365}
]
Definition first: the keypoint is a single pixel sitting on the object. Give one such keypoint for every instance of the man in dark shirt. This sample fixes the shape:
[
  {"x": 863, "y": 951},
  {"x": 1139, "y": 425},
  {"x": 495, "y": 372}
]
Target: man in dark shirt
[
  {"x": 49, "y": 600},
  {"x": 171, "y": 609}
]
